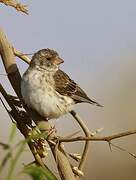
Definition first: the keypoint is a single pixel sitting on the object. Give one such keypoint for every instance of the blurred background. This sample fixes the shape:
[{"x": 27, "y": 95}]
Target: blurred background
[{"x": 97, "y": 40}]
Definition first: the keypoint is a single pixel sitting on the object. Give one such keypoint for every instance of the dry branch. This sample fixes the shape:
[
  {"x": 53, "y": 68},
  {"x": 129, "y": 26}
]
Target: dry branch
[
  {"x": 73, "y": 113},
  {"x": 17, "y": 6},
  {"x": 8, "y": 53},
  {"x": 87, "y": 134},
  {"x": 21, "y": 56},
  {"x": 104, "y": 138},
  {"x": 8, "y": 58}
]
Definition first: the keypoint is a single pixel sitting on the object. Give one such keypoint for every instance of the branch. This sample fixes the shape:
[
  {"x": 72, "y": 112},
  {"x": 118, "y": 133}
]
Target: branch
[
  {"x": 17, "y": 6},
  {"x": 86, "y": 146},
  {"x": 6, "y": 51},
  {"x": 59, "y": 154},
  {"x": 75, "y": 116},
  {"x": 104, "y": 138},
  {"x": 8, "y": 59},
  {"x": 73, "y": 113},
  {"x": 21, "y": 56}
]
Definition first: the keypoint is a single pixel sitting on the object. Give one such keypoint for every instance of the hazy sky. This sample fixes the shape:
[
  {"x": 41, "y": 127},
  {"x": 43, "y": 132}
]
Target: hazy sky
[{"x": 97, "y": 40}]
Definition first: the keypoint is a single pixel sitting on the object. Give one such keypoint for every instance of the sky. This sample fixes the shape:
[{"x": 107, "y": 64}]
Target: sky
[{"x": 97, "y": 40}]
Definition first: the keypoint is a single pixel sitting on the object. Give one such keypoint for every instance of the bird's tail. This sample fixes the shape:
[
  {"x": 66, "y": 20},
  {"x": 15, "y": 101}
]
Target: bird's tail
[
  {"x": 95, "y": 103},
  {"x": 86, "y": 99}
]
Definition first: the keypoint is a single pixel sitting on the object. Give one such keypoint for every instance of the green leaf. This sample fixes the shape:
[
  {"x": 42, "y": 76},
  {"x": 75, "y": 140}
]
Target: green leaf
[
  {"x": 4, "y": 146},
  {"x": 12, "y": 133},
  {"x": 14, "y": 160},
  {"x": 4, "y": 161},
  {"x": 38, "y": 173}
]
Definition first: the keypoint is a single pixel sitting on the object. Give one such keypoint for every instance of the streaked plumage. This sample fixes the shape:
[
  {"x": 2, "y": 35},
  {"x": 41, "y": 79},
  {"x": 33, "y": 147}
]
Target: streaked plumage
[{"x": 47, "y": 89}]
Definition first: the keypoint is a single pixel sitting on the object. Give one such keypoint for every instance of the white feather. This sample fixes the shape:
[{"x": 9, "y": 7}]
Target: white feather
[{"x": 39, "y": 94}]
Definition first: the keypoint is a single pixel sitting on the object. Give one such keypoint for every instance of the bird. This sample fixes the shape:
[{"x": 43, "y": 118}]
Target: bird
[{"x": 47, "y": 89}]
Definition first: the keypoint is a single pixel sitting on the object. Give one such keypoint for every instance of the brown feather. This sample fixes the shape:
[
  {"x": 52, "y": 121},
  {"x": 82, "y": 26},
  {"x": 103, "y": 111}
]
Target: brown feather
[{"x": 67, "y": 87}]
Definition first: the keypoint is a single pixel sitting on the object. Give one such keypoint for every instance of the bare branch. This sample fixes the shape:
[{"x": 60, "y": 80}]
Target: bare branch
[
  {"x": 104, "y": 138},
  {"x": 59, "y": 154},
  {"x": 122, "y": 149},
  {"x": 63, "y": 164},
  {"x": 8, "y": 53},
  {"x": 14, "y": 77},
  {"x": 21, "y": 56},
  {"x": 17, "y": 6},
  {"x": 86, "y": 146},
  {"x": 8, "y": 58}
]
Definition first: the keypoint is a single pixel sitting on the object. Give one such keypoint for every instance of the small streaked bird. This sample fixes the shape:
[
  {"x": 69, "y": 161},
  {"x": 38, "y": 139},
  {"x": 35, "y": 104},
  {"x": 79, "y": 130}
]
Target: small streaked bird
[{"x": 47, "y": 89}]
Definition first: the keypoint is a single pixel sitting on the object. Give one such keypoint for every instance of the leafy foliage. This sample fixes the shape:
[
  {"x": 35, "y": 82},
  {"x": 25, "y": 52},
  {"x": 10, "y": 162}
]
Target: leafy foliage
[
  {"x": 38, "y": 173},
  {"x": 12, "y": 155}
]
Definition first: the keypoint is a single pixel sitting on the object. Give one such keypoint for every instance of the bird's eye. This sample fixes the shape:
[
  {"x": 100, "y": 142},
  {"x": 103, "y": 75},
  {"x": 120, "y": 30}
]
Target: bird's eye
[{"x": 48, "y": 59}]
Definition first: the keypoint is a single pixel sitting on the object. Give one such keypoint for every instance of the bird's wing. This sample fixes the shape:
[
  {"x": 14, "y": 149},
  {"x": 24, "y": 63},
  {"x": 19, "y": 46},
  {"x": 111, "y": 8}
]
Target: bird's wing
[{"x": 67, "y": 87}]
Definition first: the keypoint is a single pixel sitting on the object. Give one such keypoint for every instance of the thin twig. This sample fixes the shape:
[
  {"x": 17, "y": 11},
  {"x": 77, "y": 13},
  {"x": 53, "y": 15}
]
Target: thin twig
[
  {"x": 21, "y": 56},
  {"x": 17, "y": 6},
  {"x": 86, "y": 146},
  {"x": 122, "y": 149},
  {"x": 104, "y": 138},
  {"x": 73, "y": 134}
]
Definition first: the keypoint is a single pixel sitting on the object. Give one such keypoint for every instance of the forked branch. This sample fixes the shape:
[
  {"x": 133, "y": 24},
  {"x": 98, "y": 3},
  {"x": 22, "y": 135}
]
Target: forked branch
[
  {"x": 8, "y": 58},
  {"x": 104, "y": 138}
]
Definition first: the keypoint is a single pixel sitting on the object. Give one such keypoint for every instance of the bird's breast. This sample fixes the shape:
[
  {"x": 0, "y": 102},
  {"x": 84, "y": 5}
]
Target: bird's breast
[{"x": 39, "y": 93}]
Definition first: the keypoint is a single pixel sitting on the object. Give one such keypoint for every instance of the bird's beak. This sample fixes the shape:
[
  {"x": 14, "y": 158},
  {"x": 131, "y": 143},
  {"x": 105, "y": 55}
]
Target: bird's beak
[{"x": 58, "y": 61}]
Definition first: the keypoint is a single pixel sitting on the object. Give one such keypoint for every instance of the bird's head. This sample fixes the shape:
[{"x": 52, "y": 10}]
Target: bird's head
[{"x": 46, "y": 59}]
